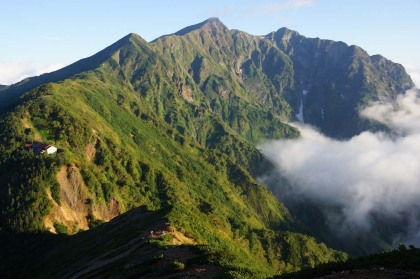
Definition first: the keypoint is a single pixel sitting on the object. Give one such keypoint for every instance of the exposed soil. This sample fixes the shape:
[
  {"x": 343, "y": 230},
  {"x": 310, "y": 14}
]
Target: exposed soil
[
  {"x": 90, "y": 151},
  {"x": 74, "y": 209},
  {"x": 187, "y": 94},
  {"x": 178, "y": 238}
]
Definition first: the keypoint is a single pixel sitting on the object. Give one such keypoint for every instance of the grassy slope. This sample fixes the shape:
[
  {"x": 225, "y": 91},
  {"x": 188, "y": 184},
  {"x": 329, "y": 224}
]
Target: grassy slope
[{"x": 232, "y": 71}]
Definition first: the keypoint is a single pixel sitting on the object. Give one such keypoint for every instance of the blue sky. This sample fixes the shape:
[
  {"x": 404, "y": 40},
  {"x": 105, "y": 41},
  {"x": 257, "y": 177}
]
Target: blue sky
[{"x": 43, "y": 35}]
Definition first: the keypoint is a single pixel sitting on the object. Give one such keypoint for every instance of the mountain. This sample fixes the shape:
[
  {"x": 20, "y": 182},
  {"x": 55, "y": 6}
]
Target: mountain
[
  {"x": 160, "y": 139},
  {"x": 279, "y": 72},
  {"x": 283, "y": 70},
  {"x": 336, "y": 79}
]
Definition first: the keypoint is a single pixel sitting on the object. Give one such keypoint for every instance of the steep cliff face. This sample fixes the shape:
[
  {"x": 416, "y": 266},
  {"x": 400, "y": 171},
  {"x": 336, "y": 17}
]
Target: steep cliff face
[{"x": 333, "y": 80}]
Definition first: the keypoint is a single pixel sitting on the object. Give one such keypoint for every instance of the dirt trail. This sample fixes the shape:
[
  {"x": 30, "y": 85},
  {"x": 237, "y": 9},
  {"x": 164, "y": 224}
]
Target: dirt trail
[{"x": 178, "y": 238}]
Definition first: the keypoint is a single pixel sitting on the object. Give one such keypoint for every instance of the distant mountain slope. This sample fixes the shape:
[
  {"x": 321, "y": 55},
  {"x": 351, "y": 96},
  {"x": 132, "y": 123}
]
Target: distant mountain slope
[
  {"x": 284, "y": 69},
  {"x": 333, "y": 80}
]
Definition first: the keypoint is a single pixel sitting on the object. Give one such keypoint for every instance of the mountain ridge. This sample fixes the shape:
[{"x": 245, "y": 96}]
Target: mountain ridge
[{"x": 84, "y": 64}]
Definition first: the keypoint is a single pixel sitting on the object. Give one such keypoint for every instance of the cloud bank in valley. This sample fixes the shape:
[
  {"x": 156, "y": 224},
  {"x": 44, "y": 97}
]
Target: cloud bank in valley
[
  {"x": 12, "y": 72},
  {"x": 414, "y": 73},
  {"x": 367, "y": 174}
]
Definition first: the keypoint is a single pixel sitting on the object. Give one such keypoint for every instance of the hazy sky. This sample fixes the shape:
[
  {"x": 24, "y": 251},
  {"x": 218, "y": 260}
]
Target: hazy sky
[{"x": 42, "y": 35}]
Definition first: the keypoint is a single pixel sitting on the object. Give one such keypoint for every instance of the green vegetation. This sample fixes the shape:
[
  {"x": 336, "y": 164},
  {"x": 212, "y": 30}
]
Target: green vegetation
[
  {"x": 93, "y": 222},
  {"x": 402, "y": 258},
  {"x": 177, "y": 265},
  {"x": 24, "y": 179},
  {"x": 60, "y": 228}
]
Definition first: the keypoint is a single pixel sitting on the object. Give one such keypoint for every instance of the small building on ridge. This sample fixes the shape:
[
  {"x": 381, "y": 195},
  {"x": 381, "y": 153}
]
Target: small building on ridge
[{"x": 41, "y": 148}]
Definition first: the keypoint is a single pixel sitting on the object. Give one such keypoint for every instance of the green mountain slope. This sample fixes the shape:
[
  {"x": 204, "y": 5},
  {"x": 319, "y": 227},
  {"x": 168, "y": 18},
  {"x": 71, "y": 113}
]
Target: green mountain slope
[
  {"x": 168, "y": 126},
  {"x": 283, "y": 70},
  {"x": 219, "y": 61}
]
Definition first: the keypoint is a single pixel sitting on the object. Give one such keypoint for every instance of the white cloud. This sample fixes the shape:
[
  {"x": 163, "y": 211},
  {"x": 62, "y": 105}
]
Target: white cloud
[
  {"x": 402, "y": 116},
  {"x": 414, "y": 73},
  {"x": 12, "y": 72},
  {"x": 370, "y": 173}
]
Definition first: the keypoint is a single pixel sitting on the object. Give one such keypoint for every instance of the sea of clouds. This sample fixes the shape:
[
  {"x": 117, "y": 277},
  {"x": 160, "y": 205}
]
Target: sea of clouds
[
  {"x": 371, "y": 173},
  {"x": 414, "y": 72},
  {"x": 12, "y": 72}
]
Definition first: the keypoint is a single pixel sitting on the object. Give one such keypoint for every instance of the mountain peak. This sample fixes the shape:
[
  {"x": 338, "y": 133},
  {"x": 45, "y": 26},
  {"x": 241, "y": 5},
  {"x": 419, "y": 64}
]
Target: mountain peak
[
  {"x": 284, "y": 31},
  {"x": 212, "y": 22},
  {"x": 215, "y": 20},
  {"x": 131, "y": 37}
]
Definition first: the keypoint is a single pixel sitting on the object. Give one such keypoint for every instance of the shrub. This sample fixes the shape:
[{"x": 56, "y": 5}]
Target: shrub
[
  {"x": 61, "y": 228},
  {"x": 177, "y": 265}
]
